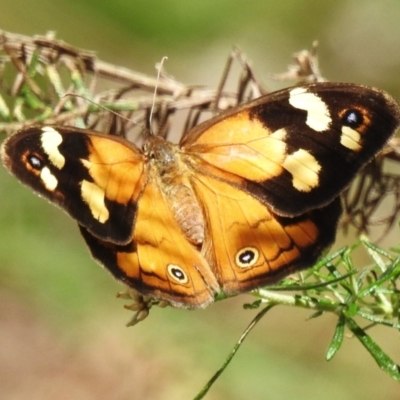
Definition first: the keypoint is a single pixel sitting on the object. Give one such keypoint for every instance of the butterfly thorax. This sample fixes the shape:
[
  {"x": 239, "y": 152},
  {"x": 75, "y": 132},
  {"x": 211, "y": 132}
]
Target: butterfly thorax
[{"x": 172, "y": 178}]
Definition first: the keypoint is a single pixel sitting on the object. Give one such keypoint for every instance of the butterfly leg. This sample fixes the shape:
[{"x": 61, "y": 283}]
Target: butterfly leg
[{"x": 140, "y": 304}]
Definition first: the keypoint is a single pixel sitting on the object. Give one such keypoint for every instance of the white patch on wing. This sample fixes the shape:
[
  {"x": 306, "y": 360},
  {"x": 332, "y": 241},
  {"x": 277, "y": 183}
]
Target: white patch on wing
[
  {"x": 51, "y": 139},
  {"x": 304, "y": 169},
  {"x": 318, "y": 116},
  {"x": 94, "y": 196},
  {"x": 350, "y": 138},
  {"x": 49, "y": 180}
]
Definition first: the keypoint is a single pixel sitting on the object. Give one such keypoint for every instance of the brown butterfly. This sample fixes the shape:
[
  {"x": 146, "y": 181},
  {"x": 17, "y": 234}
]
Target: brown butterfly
[{"x": 245, "y": 199}]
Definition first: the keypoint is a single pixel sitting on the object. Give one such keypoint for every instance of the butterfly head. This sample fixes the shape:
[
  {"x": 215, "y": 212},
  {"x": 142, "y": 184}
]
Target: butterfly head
[{"x": 161, "y": 153}]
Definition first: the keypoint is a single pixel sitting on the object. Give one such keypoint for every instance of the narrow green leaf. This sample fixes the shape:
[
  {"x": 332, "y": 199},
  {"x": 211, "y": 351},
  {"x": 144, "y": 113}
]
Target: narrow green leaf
[
  {"x": 381, "y": 358},
  {"x": 391, "y": 272},
  {"x": 377, "y": 320},
  {"x": 285, "y": 285},
  {"x": 337, "y": 338},
  {"x": 376, "y": 252}
]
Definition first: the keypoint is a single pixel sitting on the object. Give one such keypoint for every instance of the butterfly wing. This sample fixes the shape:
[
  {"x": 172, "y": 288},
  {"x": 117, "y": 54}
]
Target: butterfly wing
[
  {"x": 296, "y": 149},
  {"x": 106, "y": 184},
  {"x": 268, "y": 176},
  {"x": 249, "y": 246},
  {"x": 95, "y": 178},
  {"x": 159, "y": 261}
]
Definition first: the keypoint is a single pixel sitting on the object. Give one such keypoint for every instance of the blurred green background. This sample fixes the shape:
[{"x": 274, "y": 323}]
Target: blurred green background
[{"x": 62, "y": 334}]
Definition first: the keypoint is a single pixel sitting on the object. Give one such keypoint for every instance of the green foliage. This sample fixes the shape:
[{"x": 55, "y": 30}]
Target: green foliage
[{"x": 369, "y": 294}]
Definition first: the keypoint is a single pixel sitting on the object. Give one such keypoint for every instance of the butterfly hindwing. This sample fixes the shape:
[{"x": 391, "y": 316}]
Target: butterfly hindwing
[
  {"x": 297, "y": 148},
  {"x": 257, "y": 247},
  {"x": 159, "y": 260}
]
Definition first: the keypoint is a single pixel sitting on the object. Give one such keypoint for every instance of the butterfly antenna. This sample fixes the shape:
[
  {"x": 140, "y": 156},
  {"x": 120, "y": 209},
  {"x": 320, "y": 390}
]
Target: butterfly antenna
[
  {"x": 159, "y": 69},
  {"x": 101, "y": 106}
]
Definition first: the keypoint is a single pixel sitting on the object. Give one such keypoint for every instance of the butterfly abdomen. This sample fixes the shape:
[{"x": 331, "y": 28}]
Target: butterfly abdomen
[{"x": 187, "y": 212}]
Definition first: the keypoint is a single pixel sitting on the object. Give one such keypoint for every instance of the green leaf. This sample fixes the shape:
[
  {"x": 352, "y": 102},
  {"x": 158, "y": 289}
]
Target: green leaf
[
  {"x": 337, "y": 339},
  {"x": 391, "y": 272},
  {"x": 381, "y": 358}
]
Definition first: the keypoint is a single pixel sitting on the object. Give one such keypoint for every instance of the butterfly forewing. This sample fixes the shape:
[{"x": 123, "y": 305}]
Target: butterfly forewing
[
  {"x": 95, "y": 178},
  {"x": 298, "y": 148}
]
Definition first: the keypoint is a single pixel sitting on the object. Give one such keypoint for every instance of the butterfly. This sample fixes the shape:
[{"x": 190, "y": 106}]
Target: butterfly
[{"x": 243, "y": 200}]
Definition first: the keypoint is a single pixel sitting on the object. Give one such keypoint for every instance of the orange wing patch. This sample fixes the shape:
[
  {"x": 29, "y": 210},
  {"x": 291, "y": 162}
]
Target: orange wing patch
[
  {"x": 115, "y": 168},
  {"x": 247, "y": 244},
  {"x": 165, "y": 261},
  {"x": 242, "y": 146}
]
